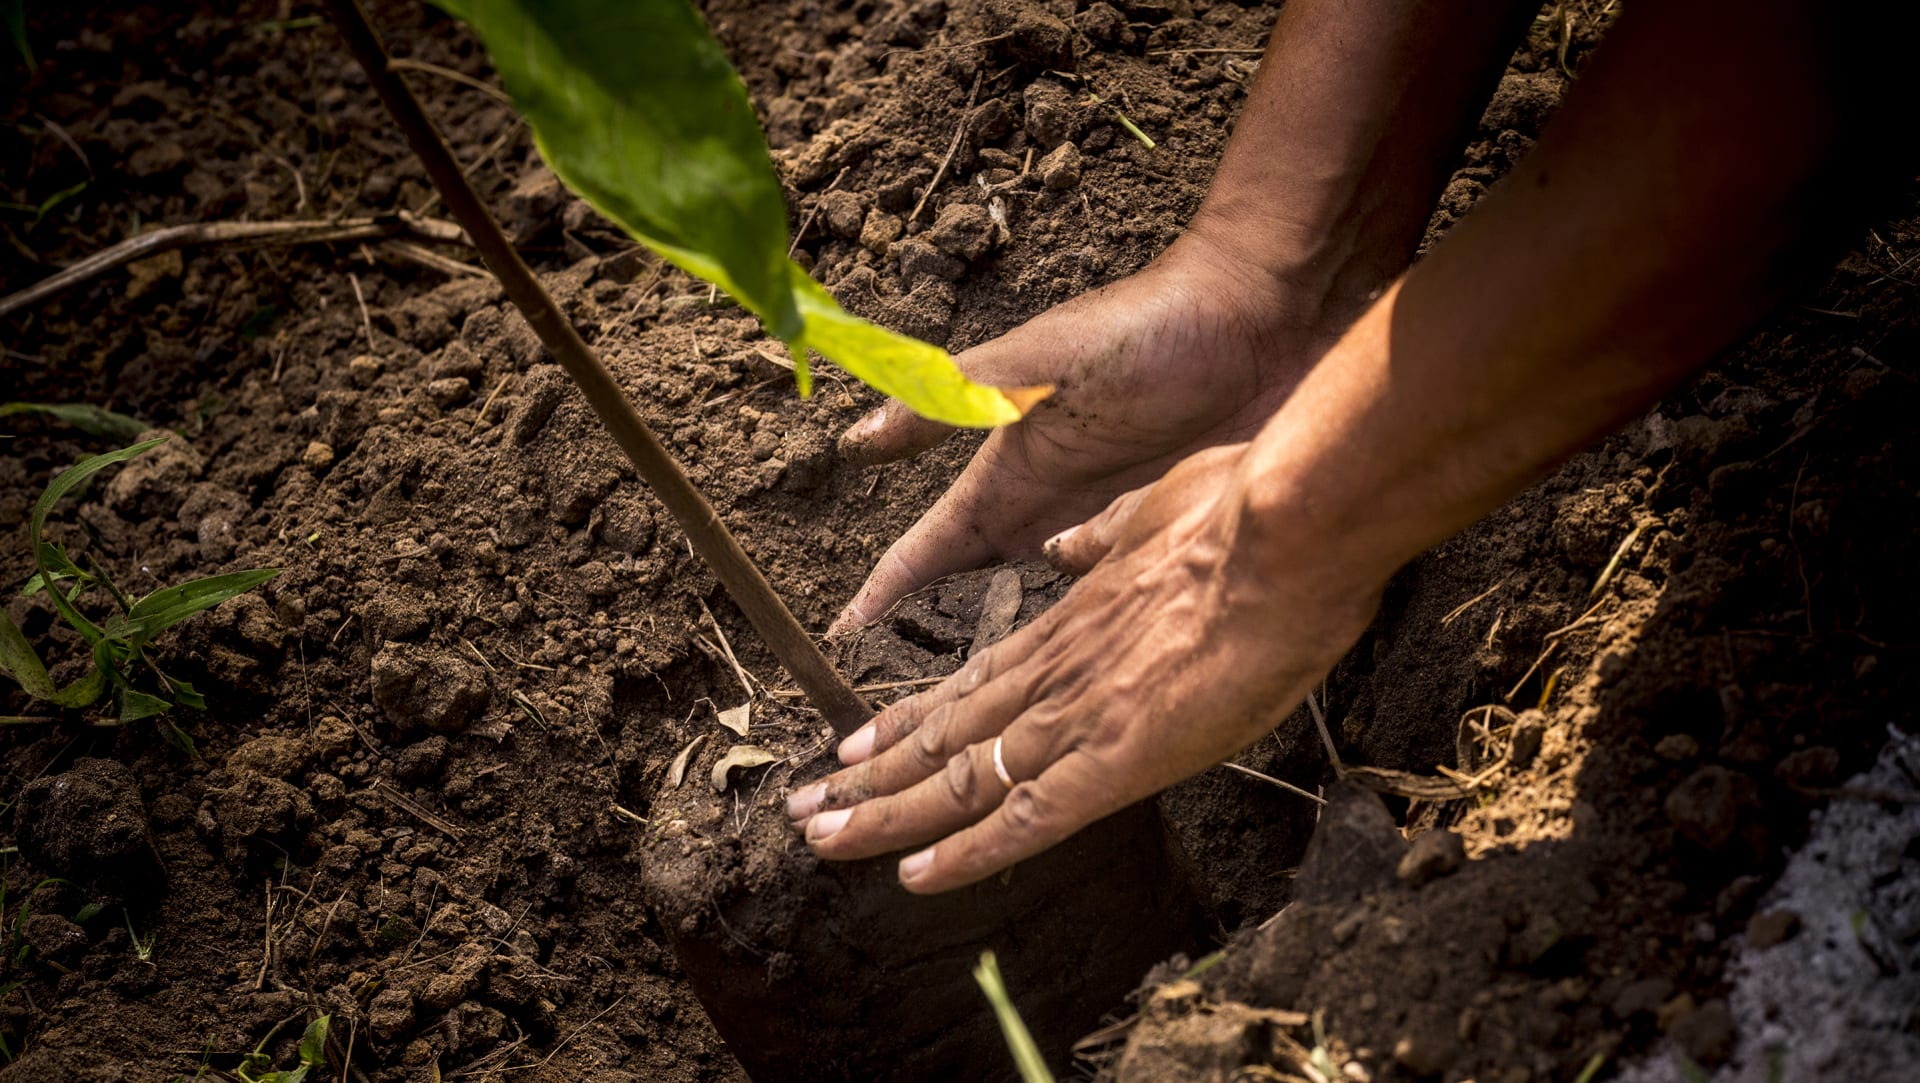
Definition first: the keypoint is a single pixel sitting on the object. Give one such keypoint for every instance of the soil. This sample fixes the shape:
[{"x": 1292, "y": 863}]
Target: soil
[{"x": 432, "y": 774}]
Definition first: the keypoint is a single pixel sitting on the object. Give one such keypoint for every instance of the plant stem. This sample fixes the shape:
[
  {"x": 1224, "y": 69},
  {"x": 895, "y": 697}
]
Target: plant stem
[{"x": 790, "y": 643}]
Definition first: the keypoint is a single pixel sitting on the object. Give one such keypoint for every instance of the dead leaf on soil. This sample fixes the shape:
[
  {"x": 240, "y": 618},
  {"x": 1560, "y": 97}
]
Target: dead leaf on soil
[
  {"x": 737, "y": 718},
  {"x": 677, "y": 771},
  {"x": 738, "y": 756}
]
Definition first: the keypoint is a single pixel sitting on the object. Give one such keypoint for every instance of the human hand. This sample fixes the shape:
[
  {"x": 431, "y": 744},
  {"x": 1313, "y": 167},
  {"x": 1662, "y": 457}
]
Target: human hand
[
  {"x": 1197, "y": 631},
  {"x": 1196, "y": 350}
]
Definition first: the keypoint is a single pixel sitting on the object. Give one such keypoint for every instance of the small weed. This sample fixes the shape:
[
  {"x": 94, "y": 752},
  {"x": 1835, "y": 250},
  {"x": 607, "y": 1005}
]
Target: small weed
[
  {"x": 256, "y": 1067},
  {"x": 142, "y": 946},
  {"x": 92, "y": 420},
  {"x": 118, "y": 645},
  {"x": 37, "y": 213}
]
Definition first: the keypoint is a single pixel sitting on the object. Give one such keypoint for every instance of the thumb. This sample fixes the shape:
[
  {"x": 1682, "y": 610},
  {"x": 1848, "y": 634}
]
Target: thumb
[
  {"x": 894, "y": 432},
  {"x": 947, "y": 539},
  {"x": 889, "y": 434},
  {"x": 1076, "y": 550}
]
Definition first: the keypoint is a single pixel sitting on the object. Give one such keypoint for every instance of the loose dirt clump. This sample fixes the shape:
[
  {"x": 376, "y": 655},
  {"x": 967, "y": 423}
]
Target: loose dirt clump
[{"x": 433, "y": 768}]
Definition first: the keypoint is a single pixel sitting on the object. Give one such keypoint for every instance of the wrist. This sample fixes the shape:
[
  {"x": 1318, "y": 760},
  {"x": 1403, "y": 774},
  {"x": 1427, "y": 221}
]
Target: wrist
[{"x": 1328, "y": 276}]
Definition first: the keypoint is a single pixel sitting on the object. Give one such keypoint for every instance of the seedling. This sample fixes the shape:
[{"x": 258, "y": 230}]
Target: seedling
[
  {"x": 1026, "y": 1055},
  {"x": 670, "y": 151},
  {"x": 119, "y": 644},
  {"x": 142, "y": 946},
  {"x": 313, "y": 1054}
]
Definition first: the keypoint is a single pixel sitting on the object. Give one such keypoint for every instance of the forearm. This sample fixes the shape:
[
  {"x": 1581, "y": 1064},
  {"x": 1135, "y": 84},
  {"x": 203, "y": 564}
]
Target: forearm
[
  {"x": 1351, "y": 128},
  {"x": 1653, "y": 223}
]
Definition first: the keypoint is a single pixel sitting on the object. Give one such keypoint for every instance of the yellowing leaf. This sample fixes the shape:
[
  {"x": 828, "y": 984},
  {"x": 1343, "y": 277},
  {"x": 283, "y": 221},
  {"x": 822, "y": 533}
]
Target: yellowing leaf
[{"x": 917, "y": 373}]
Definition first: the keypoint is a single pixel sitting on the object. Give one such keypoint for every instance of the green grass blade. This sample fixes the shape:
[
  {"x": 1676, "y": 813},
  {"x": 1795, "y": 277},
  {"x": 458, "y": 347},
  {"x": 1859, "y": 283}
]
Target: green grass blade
[
  {"x": 92, "y": 420},
  {"x": 169, "y": 606},
  {"x": 14, "y": 14},
  {"x": 69, "y": 480},
  {"x": 1026, "y": 1055}
]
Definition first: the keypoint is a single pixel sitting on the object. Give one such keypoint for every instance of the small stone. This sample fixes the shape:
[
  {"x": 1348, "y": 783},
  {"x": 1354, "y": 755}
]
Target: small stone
[
  {"x": 881, "y": 229},
  {"x": 1707, "y": 1034},
  {"x": 318, "y": 455},
  {"x": 1060, "y": 169},
  {"x": 1432, "y": 855},
  {"x": 1677, "y": 748},
  {"x": 1642, "y": 997},
  {"x": 1771, "y": 928},
  {"x": 918, "y": 260},
  {"x": 1707, "y": 808},
  {"x": 1429, "y": 1046},
  {"x": 449, "y": 390},
  {"x": 843, "y": 213},
  {"x": 1675, "y": 1012},
  {"x": 364, "y": 370}
]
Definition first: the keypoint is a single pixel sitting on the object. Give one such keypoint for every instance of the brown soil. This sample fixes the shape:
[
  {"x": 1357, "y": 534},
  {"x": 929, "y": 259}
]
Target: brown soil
[{"x": 433, "y": 766}]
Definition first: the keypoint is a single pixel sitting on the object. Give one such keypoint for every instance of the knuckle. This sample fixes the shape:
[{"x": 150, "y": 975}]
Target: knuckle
[
  {"x": 928, "y": 747},
  {"x": 1026, "y": 810},
  {"x": 961, "y": 780}
]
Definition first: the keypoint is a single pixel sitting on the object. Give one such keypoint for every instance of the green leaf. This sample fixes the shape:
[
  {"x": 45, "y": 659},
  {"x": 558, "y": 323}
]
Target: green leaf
[
  {"x": 136, "y": 705},
  {"x": 92, "y": 420},
  {"x": 14, "y": 14},
  {"x": 313, "y": 1043},
  {"x": 84, "y": 691},
  {"x": 169, "y": 606},
  {"x": 634, "y": 105},
  {"x": 1026, "y": 1055},
  {"x": 69, "y": 480},
  {"x": 21, "y": 662}
]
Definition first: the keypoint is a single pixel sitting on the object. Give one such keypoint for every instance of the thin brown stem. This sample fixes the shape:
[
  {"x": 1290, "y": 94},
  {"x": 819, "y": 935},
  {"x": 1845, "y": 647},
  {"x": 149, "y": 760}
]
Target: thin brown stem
[
  {"x": 790, "y": 643},
  {"x": 298, "y": 231}
]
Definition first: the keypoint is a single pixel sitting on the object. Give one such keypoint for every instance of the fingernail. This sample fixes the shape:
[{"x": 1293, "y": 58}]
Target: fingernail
[
  {"x": 857, "y": 748},
  {"x": 914, "y": 864},
  {"x": 827, "y": 824},
  {"x": 865, "y": 428},
  {"x": 1051, "y": 547},
  {"x": 806, "y": 801}
]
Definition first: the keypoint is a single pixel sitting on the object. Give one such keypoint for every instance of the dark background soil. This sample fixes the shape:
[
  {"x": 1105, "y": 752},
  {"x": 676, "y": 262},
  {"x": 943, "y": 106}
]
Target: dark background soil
[{"x": 436, "y": 745}]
